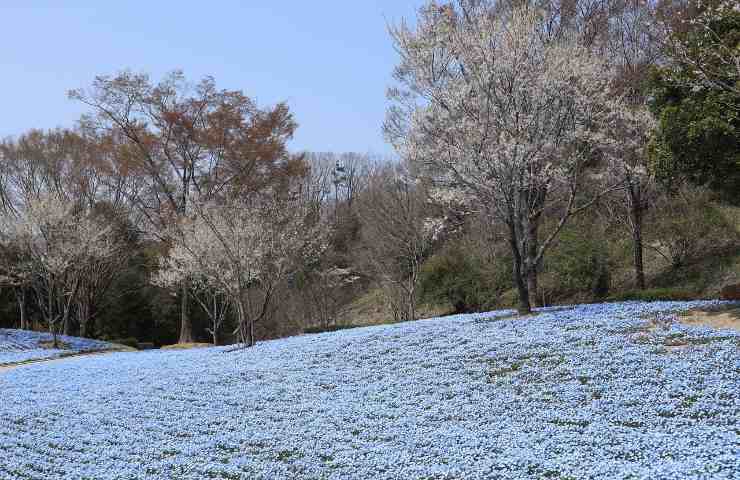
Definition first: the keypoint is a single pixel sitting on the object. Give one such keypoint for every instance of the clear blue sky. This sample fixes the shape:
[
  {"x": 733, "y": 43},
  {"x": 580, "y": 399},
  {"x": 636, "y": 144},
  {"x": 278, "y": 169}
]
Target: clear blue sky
[{"x": 331, "y": 60}]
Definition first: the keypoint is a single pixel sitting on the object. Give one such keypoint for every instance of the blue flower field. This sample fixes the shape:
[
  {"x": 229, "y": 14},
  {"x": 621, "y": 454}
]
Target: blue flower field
[
  {"x": 17, "y": 346},
  {"x": 609, "y": 391}
]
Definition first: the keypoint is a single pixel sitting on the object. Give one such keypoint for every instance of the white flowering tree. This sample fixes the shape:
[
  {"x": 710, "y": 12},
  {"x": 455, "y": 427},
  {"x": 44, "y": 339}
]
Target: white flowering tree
[
  {"x": 241, "y": 249},
  {"x": 506, "y": 114},
  {"x": 58, "y": 241}
]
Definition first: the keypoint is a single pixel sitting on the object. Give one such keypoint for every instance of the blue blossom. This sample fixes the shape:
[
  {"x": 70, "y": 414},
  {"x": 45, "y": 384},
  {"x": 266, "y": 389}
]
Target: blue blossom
[
  {"x": 22, "y": 345},
  {"x": 566, "y": 394}
]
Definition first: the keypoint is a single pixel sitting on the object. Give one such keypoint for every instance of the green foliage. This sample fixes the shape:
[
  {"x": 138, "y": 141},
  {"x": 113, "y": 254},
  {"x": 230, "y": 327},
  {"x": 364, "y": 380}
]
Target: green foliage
[
  {"x": 654, "y": 294},
  {"x": 698, "y": 135},
  {"x": 580, "y": 261},
  {"x": 330, "y": 328},
  {"x": 465, "y": 282},
  {"x": 687, "y": 226}
]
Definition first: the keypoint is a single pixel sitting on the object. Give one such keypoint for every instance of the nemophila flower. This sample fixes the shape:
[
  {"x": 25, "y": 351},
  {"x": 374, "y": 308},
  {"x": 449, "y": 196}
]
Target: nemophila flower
[
  {"x": 567, "y": 393},
  {"x": 22, "y": 345}
]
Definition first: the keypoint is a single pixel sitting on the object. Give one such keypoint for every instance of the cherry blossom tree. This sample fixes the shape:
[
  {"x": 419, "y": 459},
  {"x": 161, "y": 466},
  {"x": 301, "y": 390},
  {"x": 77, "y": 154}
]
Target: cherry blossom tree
[
  {"x": 241, "y": 248},
  {"x": 496, "y": 107},
  {"x": 58, "y": 240}
]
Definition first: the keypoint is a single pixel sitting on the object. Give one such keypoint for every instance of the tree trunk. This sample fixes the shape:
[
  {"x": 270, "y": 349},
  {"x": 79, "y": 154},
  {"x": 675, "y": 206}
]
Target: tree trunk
[
  {"x": 20, "y": 296},
  {"x": 250, "y": 333},
  {"x": 186, "y": 327},
  {"x": 531, "y": 264},
  {"x": 532, "y": 288},
  {"x": 83, "y": 316},
  {"x": 637, "y": 246},
  {"x": 525, "y": 307}
]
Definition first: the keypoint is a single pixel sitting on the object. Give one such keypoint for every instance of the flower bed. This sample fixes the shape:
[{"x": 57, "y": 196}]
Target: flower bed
[
  {"x": 17, "y": 346},
  {"x": 606, "y": 391}
]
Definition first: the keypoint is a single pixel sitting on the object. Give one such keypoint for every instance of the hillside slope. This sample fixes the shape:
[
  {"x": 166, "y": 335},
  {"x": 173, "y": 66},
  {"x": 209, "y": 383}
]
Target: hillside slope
[
  {"x": 18, "y": 346},
  {"x": 599, "y": 391}
]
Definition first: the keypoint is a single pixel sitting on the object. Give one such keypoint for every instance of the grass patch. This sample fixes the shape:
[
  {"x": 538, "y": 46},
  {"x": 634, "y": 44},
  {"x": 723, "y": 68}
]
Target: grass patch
[
  {"x": 329, "y": 328},
  {"x": 654, "y": 294}
]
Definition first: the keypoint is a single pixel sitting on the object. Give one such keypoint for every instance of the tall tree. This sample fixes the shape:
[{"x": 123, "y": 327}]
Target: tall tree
[
  {"x": 506, "y": 112},
  {"x": 187, "y": 139},
  {"x": 243, "y": 248},
  {"x": 396, "y": 235}
]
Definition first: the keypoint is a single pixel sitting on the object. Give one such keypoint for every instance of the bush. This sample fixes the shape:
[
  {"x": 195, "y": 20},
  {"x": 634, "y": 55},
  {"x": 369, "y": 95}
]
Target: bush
[
  {"x": 687, "y": 226},
  {"x": 579, "y": 262},
  {"x": 457, "y": 278},
  {"x": 653, "y": 295},
  {"x": 330, "y": 328},
  {"x": 129, "y": 342}
]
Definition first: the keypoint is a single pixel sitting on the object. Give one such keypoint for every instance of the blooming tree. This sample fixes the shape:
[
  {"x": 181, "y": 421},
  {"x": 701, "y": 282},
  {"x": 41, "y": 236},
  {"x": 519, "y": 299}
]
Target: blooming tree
[
  {"x": 504, "y": 112},
  {"x": 186, "y": 140},
  {"x": 241, "y": 249},
  {"x": 59, "y": 242}
]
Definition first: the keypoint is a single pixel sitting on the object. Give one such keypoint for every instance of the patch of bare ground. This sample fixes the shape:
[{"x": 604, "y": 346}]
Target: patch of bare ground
[
  {"x": 186, "y": 346},
  {"x": 721, "y": 318}
]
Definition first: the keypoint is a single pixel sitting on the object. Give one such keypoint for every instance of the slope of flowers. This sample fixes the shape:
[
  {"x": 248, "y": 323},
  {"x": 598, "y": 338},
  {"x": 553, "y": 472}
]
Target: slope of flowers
[
  {"x": 584, "y": 392},
  {"x": 22, "y": 345}
]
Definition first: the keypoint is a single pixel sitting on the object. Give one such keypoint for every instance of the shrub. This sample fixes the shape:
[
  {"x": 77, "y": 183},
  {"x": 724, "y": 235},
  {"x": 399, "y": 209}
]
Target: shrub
[
  {"x": 466, "y": 283},
  {"x": 580, "y": 262},
  {"x": 654, "y": 294},
  {"x": 687, "y": 226},
  {"x": 330, "y": 328},
  {"x": 129, "y": 342}
]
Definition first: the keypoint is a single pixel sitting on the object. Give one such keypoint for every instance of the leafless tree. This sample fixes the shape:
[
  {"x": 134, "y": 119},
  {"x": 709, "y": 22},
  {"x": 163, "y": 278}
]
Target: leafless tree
[{"x": 396, "y": 235}]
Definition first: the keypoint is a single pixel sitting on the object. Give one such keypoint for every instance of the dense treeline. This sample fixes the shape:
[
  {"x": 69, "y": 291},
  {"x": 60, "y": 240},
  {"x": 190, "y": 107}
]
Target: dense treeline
[{"x": 549, "y": 152}]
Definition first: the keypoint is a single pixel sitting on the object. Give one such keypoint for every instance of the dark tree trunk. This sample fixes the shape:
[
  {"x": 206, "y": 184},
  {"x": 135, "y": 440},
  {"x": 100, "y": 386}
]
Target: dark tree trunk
[
  {"x": 83, "y": 317},
  {"x": 20, "y": 296},
  {"x": 637, "y": 246},
  {"x": 186, "y": 327},
  {"x": 525, "y": 307},
  {"x": 250, "y": 333},
  {"x": 532, "y": 288}
]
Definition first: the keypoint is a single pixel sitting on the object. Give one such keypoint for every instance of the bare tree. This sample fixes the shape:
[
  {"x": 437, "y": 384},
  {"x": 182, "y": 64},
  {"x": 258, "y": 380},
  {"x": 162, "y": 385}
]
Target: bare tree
[
  {"x": 215, "y": 304},
  {"x": 396, "y": 235}
]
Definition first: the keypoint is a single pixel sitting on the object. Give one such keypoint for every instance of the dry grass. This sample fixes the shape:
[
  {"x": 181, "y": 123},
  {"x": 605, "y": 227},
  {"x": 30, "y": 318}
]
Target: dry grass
[
  {"x": 728, "y": 318},
  {"x": 186, "y": 346},
  {"x": 371, "y": 309}
]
